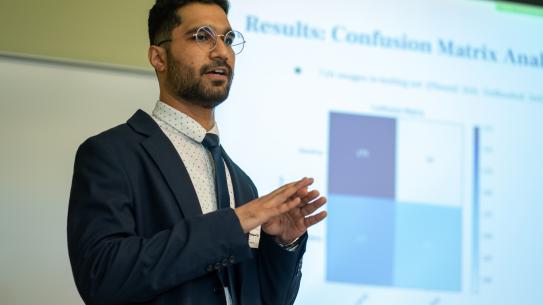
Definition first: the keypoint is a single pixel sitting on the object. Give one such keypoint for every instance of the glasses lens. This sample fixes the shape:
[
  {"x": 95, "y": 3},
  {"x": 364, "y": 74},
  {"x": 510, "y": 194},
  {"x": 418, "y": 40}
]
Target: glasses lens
[
  {"x": 229, "y": 38},
  {"x": 205, "y": 36},
  {"x": 235, "y": 40},
  {"x": 207, "y": 39}
]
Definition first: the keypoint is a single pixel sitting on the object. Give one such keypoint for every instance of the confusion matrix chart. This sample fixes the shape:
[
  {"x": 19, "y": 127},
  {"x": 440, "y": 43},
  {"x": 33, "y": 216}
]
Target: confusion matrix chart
[{"x": 395, "y": 209}]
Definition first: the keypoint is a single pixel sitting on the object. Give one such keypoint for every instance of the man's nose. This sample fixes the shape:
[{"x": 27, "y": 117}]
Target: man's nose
[{"x": 221, "y": 50}]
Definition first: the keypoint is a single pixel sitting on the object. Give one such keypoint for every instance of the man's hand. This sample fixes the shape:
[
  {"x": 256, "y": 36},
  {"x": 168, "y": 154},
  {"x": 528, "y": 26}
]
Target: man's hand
[
  {"x": 285, "y": 212},
  {"x": 292, "y": 224}
]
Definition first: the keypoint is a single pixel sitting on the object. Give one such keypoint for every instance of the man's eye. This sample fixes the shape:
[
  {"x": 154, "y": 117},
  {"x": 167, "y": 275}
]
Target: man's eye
[
  {"x": 229, "y": 39},
  {"x": 202, "y": 37}
]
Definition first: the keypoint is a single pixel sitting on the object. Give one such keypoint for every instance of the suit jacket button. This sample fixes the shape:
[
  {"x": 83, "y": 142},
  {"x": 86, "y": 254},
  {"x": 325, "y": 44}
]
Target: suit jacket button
[{"x": 215, "y": 290}]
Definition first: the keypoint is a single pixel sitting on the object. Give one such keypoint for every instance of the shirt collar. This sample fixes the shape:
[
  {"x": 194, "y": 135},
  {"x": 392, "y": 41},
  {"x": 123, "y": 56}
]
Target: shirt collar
[{"x": 181, "y": 122}]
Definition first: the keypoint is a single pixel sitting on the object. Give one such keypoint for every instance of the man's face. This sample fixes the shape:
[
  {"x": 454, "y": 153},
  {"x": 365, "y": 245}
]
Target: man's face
[{"x": 190, "y": 68}]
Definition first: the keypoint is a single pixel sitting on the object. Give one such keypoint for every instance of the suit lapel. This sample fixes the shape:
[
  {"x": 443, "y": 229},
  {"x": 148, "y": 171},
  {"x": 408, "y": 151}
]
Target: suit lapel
[
  {"x": 242, "y": 190},
  {"x": 163, "y": 153}
]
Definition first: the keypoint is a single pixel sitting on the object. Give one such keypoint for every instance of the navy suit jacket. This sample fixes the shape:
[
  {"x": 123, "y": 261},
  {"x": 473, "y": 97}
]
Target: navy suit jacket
[{"x": 136, "y": 232}]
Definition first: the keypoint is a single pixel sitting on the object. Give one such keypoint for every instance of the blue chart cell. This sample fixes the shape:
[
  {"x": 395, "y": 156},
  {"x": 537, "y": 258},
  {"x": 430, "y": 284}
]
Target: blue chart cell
[
  {"x": 376, "y": 233},
  {"x": 360, "y": 245},
  {"x": 362, "y": 159}
]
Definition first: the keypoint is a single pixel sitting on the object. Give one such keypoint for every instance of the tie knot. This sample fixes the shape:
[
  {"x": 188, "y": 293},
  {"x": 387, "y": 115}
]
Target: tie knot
[{"x": 211, "y": 141}]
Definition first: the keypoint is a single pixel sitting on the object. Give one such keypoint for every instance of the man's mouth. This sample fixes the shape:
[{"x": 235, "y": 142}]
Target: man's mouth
[{"x": 218, "y": 72}]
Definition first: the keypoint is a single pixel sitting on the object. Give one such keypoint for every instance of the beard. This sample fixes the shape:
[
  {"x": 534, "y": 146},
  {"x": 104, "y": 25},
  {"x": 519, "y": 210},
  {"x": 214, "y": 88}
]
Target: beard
[{"x": 189, "y": 86}]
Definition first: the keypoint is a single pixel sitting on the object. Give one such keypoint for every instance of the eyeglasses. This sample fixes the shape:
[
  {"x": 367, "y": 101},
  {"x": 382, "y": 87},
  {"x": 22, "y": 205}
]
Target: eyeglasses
[{"x": 206, "y": 38}]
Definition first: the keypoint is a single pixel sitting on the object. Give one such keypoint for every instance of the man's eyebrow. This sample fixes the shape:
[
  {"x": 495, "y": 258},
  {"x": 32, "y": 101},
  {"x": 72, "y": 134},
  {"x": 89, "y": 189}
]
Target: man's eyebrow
[
  {"x": 192, "y": 30},
  {"x": 195, "y": 28}
]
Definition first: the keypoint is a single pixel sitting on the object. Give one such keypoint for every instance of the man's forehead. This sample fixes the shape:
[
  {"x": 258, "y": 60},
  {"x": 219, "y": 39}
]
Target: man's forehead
[{"x": 196, "y": 14}]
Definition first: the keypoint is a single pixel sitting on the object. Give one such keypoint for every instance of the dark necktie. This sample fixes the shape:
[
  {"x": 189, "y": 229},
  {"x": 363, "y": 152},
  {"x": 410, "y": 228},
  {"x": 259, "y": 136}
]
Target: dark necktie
[{"x": 211, "y": 143}]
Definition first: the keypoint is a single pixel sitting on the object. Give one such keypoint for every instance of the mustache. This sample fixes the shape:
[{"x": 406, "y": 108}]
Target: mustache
[{"x": 216, "y": 64}]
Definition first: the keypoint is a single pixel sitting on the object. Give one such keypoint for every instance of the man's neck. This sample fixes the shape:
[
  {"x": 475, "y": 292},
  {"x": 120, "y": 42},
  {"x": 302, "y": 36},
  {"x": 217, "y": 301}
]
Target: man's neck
[{"x": 204, "y": 116}]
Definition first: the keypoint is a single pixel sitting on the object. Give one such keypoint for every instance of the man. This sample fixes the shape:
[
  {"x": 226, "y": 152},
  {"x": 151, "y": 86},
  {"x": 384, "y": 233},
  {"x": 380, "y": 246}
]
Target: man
[{"x": 158, "y": 213}]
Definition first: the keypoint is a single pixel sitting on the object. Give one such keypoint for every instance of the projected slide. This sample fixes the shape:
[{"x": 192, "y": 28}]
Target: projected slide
[
  {"x": 394, "y": 202},
  {"x": 421, "y": 122}
]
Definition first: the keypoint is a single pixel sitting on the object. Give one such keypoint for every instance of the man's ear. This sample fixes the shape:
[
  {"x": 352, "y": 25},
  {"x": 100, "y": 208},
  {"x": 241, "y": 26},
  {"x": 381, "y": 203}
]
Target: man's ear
[{"x": 157, "y": 58}]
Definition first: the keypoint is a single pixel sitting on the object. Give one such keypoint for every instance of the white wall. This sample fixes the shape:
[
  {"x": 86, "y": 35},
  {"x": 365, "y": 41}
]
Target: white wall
[{"x": 46, "y": 111}]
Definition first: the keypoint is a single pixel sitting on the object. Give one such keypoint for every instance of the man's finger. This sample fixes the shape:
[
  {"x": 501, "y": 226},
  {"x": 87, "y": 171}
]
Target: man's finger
[
  {"x": 289, "y": 205},
  {"x": 280, "y": 189},
  {"x": 284, "y": 187},
  {"x": 304, "y": 182},
  {"x": 311, "y": 220},
  {"x": 308, "y": 209},
  {"x": 310, "y": 196},
  {"x": 291, "y": 190},
  {"x": 303, "y": 192}
]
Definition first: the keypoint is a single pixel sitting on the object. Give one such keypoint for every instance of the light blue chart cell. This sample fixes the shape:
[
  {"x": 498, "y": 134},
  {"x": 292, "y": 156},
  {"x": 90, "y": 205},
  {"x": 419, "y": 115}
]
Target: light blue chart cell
[
  {"x": 427, "y": 247},
  {"x": 360, "y": 245}
]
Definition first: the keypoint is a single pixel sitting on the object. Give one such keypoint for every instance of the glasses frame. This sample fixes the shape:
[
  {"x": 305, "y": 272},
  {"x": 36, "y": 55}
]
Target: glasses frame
[{"x": 208, "y": 29}]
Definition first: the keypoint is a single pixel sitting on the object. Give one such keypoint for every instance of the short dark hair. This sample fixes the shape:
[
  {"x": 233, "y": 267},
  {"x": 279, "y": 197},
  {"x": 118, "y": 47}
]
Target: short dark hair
[{"x": 163, "y": 17}]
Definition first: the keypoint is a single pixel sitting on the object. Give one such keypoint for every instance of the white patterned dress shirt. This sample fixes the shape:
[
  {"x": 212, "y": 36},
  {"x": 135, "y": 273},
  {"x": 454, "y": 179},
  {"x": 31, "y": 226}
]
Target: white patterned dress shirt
[{"x": 186, "y": 136}]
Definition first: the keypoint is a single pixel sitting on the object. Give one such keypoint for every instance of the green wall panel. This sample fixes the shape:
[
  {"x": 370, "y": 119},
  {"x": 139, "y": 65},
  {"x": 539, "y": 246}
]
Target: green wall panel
[{"x": 104, "y": 32}]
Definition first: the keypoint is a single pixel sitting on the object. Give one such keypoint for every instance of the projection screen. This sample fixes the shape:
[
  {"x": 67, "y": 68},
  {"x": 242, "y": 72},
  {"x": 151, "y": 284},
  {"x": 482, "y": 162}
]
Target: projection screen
[{"x": 422, "y": 123}]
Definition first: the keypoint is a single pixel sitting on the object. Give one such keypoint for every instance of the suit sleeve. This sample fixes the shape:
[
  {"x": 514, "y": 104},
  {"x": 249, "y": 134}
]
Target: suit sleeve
[
  {"x": 111, "y": 263},
  {"x": 280, "y": 271}
]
